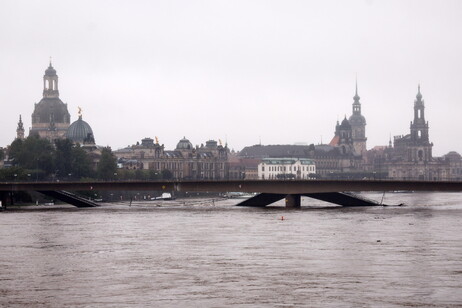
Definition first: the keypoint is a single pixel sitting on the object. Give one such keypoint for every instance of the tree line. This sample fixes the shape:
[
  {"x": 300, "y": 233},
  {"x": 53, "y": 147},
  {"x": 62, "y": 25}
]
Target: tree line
[{"x": 37, "y": 159}]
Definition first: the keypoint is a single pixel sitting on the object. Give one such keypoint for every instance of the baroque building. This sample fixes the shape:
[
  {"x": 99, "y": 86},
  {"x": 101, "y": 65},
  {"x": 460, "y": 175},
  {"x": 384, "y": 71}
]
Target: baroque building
[
  {"x": 411, "y": 154},
  {"x": 415, "y": 147},
  {"x": 209, "y": 161},
  {"x": 342, "y": 157},
  {"x": 50, "y": 118}
]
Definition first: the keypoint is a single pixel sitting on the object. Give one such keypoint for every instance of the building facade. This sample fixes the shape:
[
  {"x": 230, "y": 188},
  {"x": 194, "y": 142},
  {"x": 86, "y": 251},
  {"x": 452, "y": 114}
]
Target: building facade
[
  {"x": 209, "y": 161},
  {"x": 286, "y": 168}
]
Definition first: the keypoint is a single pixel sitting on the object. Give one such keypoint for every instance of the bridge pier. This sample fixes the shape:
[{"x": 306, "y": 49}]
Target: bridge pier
[{"x": 293, "y": 201}]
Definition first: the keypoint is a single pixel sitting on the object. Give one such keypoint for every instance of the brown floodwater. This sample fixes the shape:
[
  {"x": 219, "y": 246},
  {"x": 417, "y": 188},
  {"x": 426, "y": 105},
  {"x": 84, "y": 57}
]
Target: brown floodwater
[{"x": 210, "y": 253}]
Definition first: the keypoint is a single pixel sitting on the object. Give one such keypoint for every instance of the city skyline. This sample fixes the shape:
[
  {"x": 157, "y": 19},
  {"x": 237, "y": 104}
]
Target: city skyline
[{"x": 270, "y": 78}]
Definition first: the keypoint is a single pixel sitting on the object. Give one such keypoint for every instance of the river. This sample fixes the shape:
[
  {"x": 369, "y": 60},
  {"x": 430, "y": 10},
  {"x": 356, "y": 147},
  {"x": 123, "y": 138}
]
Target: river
[{"x": 210, "y": 253}]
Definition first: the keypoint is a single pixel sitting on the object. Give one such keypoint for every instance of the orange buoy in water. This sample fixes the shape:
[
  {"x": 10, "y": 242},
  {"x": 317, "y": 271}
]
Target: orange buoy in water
[{"x": 282, "y": 217}]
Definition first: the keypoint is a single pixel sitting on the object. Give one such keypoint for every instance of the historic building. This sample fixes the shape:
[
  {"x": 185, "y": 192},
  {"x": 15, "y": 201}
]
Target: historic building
[
  {"x": 350, "y": 135},
  {"x": 330, "y": 161},
  {"x": 209, "y": 161},
  {"x": 454, "y": 160},
  {"x": 343, "y": 138},
  {"x": 415, "y": 147},
  {"x": 286, "y": 168},
  {"x": 411, "y": 154},
  {"x": 50, "y": 118},
  {"x": 342, "y": 157}
]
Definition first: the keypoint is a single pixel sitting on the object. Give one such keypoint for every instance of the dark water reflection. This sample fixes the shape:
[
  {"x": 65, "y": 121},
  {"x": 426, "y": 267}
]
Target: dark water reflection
[{"x": 199, "y": 253}]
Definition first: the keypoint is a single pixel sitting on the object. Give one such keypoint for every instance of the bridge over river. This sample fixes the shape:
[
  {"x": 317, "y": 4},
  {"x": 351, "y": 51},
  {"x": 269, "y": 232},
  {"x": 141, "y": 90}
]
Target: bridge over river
[{"x": 335, "y": 191}]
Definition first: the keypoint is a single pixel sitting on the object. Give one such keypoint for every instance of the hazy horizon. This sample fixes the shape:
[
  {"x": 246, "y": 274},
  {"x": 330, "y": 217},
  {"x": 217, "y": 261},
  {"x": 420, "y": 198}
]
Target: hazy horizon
[{"x": 245, "y": 72}]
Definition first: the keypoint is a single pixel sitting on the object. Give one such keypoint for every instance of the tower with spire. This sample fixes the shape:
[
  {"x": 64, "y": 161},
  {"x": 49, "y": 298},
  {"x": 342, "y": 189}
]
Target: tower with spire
[
  {"x": 358, "y": 126},
  {"x": 20, "y": 129},
  {"x": 420, "y": 149},
  {"x": 50, "y": 118}
]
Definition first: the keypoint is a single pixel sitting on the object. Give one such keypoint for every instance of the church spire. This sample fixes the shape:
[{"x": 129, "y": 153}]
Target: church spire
[
  {"x": 356, "y": 103},
  {"x": 20, "y": 129},
  {"x": 419, "y": 95},
  {"x": 358, "y": 125},
  {"x": 419, "y": 109},
  {"x": 356, "y": 97},
  {"x": 356, "y": 87}
]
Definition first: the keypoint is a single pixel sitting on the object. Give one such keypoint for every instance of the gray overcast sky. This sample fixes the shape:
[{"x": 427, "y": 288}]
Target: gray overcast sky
[{"x": 242, "y": 71}]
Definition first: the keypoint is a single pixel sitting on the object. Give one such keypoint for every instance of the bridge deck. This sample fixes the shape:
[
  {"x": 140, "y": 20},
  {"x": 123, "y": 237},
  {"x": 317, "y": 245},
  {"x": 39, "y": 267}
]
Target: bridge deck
[{"x": 261, "y": 186}]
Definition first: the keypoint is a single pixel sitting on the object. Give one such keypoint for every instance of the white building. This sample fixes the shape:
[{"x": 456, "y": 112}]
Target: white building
[{"x": 286, "y": 168}]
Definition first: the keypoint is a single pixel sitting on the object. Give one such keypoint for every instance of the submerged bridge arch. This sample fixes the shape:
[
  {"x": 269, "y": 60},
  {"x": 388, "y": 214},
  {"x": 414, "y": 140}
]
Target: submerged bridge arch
[{"x": 336, "y": 191}]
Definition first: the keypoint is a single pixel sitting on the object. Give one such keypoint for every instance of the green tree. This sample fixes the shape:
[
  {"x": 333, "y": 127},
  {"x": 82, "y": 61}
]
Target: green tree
[
  {"x": 154, "y": 175},
  {"x": 107, "y": 166},
  {"x": 15, "y": 149},
  {"x": 167, "y": 174},
  {"x": 72, "y": 160},
  {"x": 63, "y": 156},
  {"x": 13, "y": 174},
  {"x": 2, "y": 154},
  {"x": 81, "y": 165},
  {"x": 140, "y": 174},
  {"x": 33, "y": 153}
]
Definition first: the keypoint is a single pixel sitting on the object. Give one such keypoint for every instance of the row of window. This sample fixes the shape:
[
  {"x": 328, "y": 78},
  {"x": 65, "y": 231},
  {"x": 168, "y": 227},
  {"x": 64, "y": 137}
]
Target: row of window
[
  {"x": 192, "y": 166},
  {"x": 290, "y": 168},
  {"x": 327, "y": 164}
]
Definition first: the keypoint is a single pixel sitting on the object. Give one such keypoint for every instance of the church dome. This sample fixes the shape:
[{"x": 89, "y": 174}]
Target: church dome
[
  {"x": 50, "y": 109},
  {"x": 184, "y": 144},
  {"x": 50, "y": 71},
  {"x": 345, "y": 124},
  {"x": 80, "y": 132}
]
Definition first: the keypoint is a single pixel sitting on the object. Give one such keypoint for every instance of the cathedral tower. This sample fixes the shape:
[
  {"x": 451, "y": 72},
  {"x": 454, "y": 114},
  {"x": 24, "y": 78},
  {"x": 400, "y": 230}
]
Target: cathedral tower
[
  {"x": 50, "y": 118},
  {"x": 420, "y": 149},
  {"x": 358, "y": 126}
]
